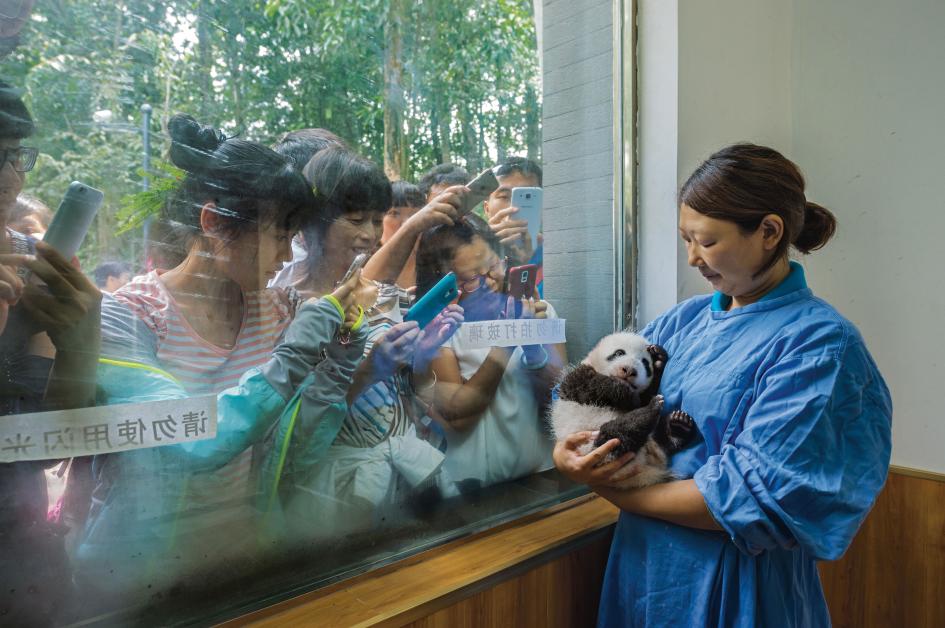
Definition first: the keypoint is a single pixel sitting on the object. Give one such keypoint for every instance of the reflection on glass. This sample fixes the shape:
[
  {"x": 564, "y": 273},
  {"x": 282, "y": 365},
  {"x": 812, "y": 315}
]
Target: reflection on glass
[{"x": 306, "y": 430}]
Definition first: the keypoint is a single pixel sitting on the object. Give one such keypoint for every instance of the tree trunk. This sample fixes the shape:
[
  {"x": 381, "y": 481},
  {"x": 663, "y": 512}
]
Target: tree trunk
[
  {"x": 446, "y": 146},
  {"x": 395, "y": 150},
  {"x": 532, "y": 123},
  {"x": 470, "y": 139},
  {"x": 204, "y": 63}
]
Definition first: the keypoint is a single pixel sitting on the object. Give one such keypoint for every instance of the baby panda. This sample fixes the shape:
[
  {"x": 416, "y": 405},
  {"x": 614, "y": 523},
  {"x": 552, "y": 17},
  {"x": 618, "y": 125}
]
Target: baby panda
[{"x": 614, "y": 391}]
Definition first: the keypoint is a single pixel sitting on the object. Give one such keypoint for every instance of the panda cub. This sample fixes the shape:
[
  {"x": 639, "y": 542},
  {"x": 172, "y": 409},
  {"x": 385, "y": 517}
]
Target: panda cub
[{"x": 614, "y": 391}]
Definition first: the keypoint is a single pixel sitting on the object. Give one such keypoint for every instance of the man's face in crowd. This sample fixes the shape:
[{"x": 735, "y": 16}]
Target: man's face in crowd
[{"x": 502, "y": 197}]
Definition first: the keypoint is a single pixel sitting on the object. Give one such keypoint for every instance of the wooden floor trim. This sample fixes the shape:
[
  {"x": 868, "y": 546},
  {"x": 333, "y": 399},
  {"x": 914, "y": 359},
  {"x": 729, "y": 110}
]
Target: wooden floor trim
[
  {"x": 917, "y": 473},
  {"x": 417, "y": 588}
]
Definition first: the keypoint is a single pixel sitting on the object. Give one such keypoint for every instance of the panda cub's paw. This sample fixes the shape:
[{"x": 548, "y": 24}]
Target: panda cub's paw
[
  {"x": 660, "y": 357},
  {"x": 681, "y": 427}
]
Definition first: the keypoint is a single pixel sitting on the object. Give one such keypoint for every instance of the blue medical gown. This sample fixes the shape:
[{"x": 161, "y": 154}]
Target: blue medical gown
[{"x": 794, "y": 421}]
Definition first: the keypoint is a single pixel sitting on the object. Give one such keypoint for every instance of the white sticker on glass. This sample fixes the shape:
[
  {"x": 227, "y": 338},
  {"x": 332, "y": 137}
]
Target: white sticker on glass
[
  {"x": 512, "y": 333},
  {"x": 106, "y": 429}
]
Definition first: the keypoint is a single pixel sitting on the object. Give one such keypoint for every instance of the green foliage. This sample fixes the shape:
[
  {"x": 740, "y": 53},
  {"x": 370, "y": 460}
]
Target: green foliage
[
  {"x": 439, "y": 79},
  {"x": 135, "y": 209}
]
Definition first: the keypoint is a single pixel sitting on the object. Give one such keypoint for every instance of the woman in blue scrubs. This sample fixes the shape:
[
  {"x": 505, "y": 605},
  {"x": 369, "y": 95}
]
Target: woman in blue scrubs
[{"x": 793, "y": 417}]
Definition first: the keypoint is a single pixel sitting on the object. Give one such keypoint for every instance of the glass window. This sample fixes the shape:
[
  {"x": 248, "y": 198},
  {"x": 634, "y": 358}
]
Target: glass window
[{"x": 285, "y": 287}]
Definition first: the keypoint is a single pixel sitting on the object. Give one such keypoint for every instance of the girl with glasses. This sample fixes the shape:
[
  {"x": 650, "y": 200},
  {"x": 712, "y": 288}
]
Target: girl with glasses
[{"x": 489, "y": 398}]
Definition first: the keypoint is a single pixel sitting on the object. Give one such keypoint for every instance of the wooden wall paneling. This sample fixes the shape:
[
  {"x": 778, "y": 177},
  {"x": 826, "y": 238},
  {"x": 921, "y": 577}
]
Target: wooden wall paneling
[
  {"x": 422, "y": 585},
  {"x": 894, "y": 572},
  {"x": 560, "y": 594}
]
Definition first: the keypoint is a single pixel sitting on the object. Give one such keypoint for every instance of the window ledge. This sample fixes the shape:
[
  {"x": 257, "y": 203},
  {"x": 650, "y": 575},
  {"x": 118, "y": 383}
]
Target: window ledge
[{"x": 420, "y": 585}]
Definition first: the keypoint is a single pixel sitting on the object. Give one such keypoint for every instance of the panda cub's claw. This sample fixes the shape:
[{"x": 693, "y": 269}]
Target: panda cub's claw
[
  {"x": 660, "y": 357},
  {"x": 681, "y": 425}
]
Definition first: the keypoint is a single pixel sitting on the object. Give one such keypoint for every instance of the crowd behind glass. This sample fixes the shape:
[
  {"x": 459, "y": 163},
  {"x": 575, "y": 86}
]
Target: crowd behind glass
[{"x": 335, "y": 417}]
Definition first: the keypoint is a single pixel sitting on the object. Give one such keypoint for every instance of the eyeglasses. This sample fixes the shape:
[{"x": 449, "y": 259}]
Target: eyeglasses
[
  {"x": 497, "y": 269},
  {"x": 22, "y": 158}
]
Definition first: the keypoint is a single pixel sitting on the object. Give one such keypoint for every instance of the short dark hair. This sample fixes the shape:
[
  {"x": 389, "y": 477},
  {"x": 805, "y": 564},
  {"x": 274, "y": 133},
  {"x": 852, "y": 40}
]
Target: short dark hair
[
  {"x": 109, "y": 269},
  {"x": 301, "y": 145},
  {"x": 28, "y": 205},
  {"x": 442, "y": 174},
  {"x": 15, "y": 119},
  {"x": 251, "y": 185},
  {"x": 523, "y": 166},
  {"x": 343, "y": 182},
  {"x": 406, "y": 194},
  {"x": 438, "y": 245}
]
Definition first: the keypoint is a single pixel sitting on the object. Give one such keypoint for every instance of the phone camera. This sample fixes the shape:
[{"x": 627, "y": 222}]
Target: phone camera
[{"x": 528, "y": 196}]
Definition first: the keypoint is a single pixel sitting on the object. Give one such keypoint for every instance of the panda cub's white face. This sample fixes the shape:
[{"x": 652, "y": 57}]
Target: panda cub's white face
[{"x": 623, "y": 356}]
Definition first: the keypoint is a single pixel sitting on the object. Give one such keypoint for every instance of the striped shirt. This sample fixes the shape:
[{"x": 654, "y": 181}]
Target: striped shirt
[
  {"x": 205, "y": 368},
  {"x": 381, "y": 410}
]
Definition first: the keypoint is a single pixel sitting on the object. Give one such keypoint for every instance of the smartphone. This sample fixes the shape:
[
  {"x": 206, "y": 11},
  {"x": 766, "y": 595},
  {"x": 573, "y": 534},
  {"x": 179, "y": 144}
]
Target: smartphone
[
  {"x": 528, "y": 202},
  {"x": 73, "y": 218},
  {"x": 479, "y": 190},
  {"x": 520, "y": 282},
  {"x": 356, "y": 265},
  {"x": 433, "y": 302}
]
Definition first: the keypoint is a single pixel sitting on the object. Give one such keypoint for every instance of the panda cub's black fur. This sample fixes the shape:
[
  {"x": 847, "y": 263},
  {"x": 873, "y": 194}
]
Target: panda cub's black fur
[{"x": 614, "y": 391}]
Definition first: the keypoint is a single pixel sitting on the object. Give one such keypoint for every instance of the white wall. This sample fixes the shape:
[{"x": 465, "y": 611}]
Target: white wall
[
  {"x": 710, "y": 74},
  {"x": 868, "y": 100},
  {"x": 854, "y": 92}
]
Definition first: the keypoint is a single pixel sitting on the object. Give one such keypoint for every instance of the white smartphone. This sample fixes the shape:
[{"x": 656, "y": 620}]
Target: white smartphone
[
  {"x": 356, "y": 265},
  {"x": 528, "y": 202},
  {"x": 72, "y": 220},
  {"x": 479, "y": 190}
]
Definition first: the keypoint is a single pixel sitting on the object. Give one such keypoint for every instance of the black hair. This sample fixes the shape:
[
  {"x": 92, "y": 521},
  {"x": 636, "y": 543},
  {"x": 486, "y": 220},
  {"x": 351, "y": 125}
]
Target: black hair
[
  {"x": 28, "y": 205},
  {"x": 343, "y": 182},
  {"x": 251, "y": 185},
  {"x": 406, "y": 194},
  {"x": 443, "y": 174},
  {"x": 438, "y": 246},
  {"x": 15, "y": 120},
  {"x": 523, "y": 166},
  {"x": 300, "y": 146},
  {"x": 109, "y": 269}
]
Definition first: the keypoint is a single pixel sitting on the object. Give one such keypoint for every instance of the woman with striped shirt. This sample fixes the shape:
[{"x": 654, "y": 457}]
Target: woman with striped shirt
[
  {"x": 211, "y": 326},
  {"x": 380, "y": 455}
]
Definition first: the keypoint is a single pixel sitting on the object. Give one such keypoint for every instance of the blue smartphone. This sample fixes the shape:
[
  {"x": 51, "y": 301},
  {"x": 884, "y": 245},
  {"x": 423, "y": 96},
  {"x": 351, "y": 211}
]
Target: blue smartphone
[{"x": 433, "y": 302}]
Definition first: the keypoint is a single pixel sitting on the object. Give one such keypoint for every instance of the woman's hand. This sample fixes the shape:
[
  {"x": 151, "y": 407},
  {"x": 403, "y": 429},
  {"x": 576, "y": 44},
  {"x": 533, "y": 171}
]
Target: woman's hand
[
  {"x": 444, "y": 209},
  {"x": 439, "y": 331},
  {"x": 357, "y": 291},
  {"x": 394, "y": 350},
  {"x": 588, "y": 468},
  {"x": 11, "y": 287},
  {"x": 70, "y": 310}
]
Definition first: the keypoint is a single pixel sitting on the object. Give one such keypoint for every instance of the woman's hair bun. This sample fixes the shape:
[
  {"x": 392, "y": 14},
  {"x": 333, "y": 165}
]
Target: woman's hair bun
[
  {"x": 192, "y": 143},
  {"x": 819, "y": 226}
]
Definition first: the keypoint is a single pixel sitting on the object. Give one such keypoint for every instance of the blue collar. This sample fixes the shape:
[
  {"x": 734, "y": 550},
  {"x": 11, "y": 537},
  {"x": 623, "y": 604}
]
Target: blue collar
[{"x": 793, "y": 282}]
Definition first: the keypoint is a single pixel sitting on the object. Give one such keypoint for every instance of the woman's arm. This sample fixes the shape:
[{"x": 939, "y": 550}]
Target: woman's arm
[
  {"x": 460, "y": 402},
  {"x": 678, "y": 502},
  {"x": 392, "y": 352},
  {"x": 385, "y": 265}
]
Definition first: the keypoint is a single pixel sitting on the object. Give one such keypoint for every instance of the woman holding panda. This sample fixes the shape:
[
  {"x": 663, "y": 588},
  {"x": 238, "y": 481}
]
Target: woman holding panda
[{"x": 793, "y": 415}]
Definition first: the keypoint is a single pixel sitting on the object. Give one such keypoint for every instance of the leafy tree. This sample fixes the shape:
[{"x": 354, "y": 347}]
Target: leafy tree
[{"x": 408, "y": 83}]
